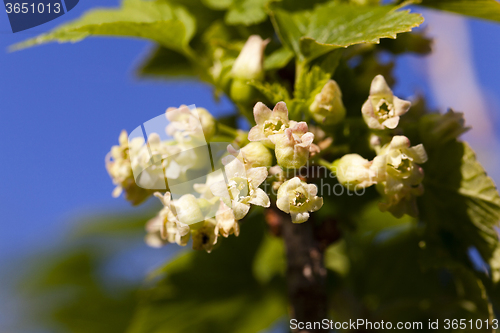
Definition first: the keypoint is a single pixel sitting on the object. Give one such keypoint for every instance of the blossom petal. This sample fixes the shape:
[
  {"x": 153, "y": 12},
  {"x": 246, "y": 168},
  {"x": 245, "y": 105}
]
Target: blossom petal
[
  {"x": 256, "y": 176},
  {"x": 261, "y": 113},
  {"x": 239, "y": 209},
  {"x": 391, "y": 123},
  {"x": 260, "y": 198},
  {"x": 280, "y": 111},
  {"x": 235, "y": 168},
  {"x": 418, "y": 153},
  {"x": 219, "y": 189},
  {"x": 283, "y": 203},
  {"x": 401, "y": 106},
  {"x": 256, "y": 134},
  {"x": 299, "y": 217},
  {"x": 380, "y": 87}
]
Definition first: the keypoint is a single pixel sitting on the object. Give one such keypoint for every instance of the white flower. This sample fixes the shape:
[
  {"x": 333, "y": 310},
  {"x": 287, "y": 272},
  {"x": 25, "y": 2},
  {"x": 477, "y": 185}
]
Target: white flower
[
  {"x": 119, "y": 167},
  {"x": 327, "y": 107},
  {"x": 298, "y": 199},
  {"x": 171, "y": 233},
  {"x": 187, "y": 124},
  {"x": 269, "y": 122},
  {"x": 354, "y": 171},
  {"x": 242, "y": 188},
  {"x": 166, "y": 227},
  {"x": 383, "y": 109},
  {"x": 204, "y": 235},
  {"x": 226, "y": 222},
  {"x": 204, "y": 189},
  {"x": 292, "y": 148},
  {"x": 188, "y": 210},
  {"x": 400, "y": 176},
  {"x": 249, "y": 64}
]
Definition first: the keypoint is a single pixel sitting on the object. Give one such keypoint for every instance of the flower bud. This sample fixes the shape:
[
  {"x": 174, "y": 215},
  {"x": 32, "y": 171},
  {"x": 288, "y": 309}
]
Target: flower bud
[
  {"x": 255, "y": 154},
  {"x": 383, "y": 109},
  {"x": 298, "y": 199},
  {"x": 354, "y": 171},
  {"x": 327, "y": 107},
  {"x": 293, "y": 146},
  {"x": 249, "y": 64},
  {"x": 188, "y": 210},
  {"x": 207, "y": 123}
]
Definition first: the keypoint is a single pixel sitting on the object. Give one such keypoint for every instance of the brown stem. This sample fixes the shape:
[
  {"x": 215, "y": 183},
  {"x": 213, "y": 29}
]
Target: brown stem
[{"x": 306, "y": 273}]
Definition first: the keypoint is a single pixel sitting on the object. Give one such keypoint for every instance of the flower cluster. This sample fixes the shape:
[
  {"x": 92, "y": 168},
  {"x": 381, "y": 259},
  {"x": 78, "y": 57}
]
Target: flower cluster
[
  {"x": 277, "y": 147},
  {"x": 395, "y": 170},
  {"x": 137, "y": 167}
]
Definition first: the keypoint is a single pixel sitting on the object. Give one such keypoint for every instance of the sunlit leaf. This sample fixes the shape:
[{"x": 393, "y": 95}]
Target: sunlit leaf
[
  {"x": 168, "y": 25},
  {"x": 313, "y": 33}
]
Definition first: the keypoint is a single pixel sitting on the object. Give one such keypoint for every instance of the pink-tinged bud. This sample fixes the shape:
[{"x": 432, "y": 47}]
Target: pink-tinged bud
[{"x": 292, "y": 148}]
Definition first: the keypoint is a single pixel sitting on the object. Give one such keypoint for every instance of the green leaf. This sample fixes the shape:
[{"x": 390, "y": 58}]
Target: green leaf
[
  {"x": 336, "y": 258},
  {"x": 218, "y": 4},
  {"x": 73, "y": 290},
  {"x": 216, "y": 292},
  {"x": 246, "y": 12},
  {"x": 311, "y": 83},
  {"x": 162, "y": 62},
  {"x": 461, "y": 205},
  {"x": 270, "y": 259},
  {"x": 387, "y": 281},
  {"x": 168, "y": 25},
  {"x": 313, "y": 33},
  {"x": 274, "y": 92},
  {"x": 484, "y": 9},
  {"x": 416, "y": 42},
  {"x": 278, "y": 59}
]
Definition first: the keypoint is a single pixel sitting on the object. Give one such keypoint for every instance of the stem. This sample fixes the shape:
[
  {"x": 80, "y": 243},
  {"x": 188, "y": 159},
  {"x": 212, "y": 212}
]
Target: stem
[
  {"x": 324, "y": 163},
  {"x": 227, "y": 130},
  {"x": 306, "y": 274}
]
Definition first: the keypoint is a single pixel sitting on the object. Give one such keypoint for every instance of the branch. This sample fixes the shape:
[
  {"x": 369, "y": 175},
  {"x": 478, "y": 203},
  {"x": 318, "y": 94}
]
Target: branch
[{"x": 306, "y": 274}]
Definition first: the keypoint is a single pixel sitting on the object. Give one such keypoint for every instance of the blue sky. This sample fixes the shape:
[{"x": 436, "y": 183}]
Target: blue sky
[{"x": 63, "y": 106}]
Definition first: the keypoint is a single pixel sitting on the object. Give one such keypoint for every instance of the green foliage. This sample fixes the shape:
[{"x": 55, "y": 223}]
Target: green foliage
[
  {"x": 278, "y": 59},
  {"x": 380, "y": 272},
  {"x": 270, "y": 259},
  {"x": 383, "y": 268},
  {"x": 168, "y": 25},
  {"x": 246, "y": 12},
  {"x": 335, "y": 25},
  {"x": 216, "y": 292},
  {"x": 67, "y": 289},
  {"x": 163, "y": 62},
  {"x": 461, "y": 206},
  {"x": 273, "y": 92},
  {"x": 484, "y": 9}
]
